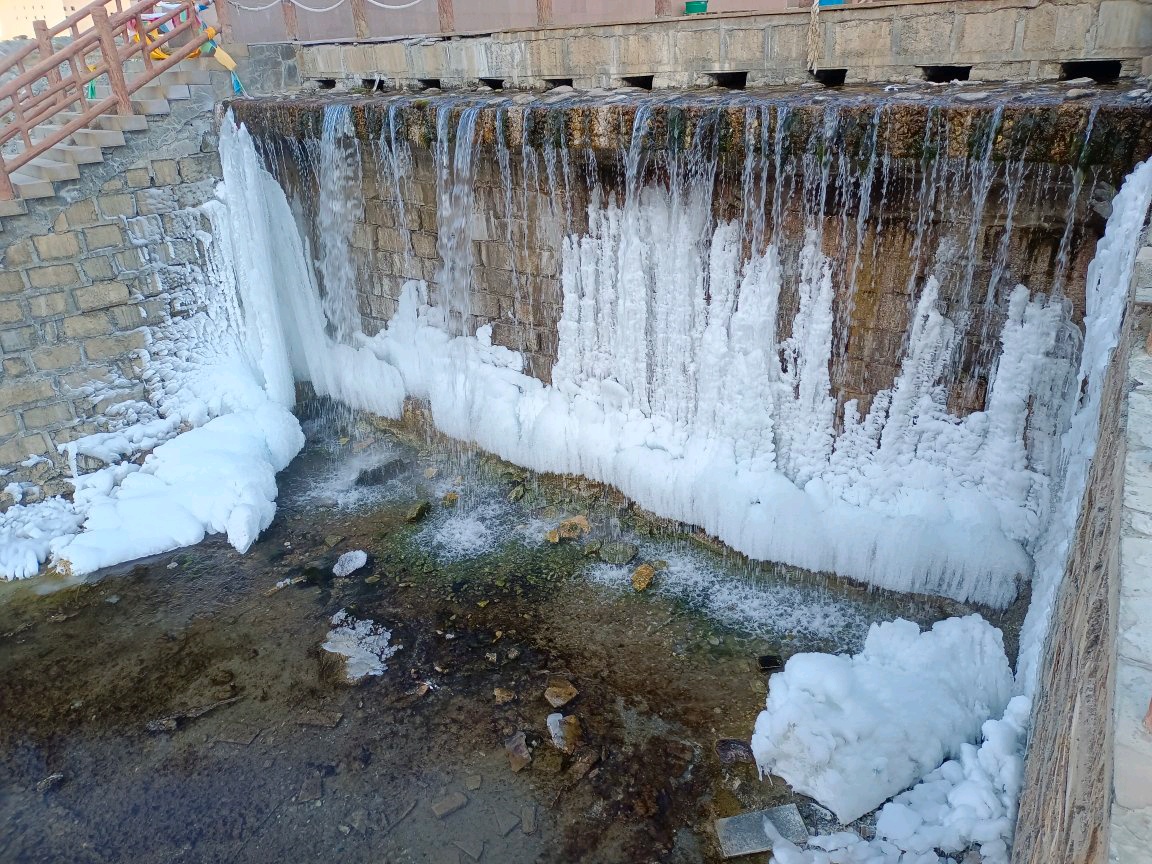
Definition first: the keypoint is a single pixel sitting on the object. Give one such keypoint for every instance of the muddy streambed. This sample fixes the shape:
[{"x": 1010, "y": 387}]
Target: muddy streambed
[{"x": 180, "y": 708}]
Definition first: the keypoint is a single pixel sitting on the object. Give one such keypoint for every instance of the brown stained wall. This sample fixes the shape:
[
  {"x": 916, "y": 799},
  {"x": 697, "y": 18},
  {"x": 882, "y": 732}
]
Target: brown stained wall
[{"x": 1067, "y": 795}]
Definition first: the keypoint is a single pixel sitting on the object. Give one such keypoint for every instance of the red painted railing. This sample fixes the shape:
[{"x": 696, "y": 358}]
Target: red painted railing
[{"x": 103, "y": 36}]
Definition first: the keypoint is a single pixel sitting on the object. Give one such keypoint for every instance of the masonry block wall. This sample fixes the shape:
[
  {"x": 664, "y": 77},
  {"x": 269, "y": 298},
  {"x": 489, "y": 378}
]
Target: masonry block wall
[{"x": 78, "y": 302}]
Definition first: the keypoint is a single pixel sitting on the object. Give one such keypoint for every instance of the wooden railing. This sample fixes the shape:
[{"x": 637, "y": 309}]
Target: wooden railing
[{"x": 103, "y": 36}]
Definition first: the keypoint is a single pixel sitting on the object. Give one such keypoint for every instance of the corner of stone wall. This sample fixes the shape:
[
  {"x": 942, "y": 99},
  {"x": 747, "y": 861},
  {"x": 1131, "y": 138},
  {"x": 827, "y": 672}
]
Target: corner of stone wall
[{"x": 82, "y": 286}]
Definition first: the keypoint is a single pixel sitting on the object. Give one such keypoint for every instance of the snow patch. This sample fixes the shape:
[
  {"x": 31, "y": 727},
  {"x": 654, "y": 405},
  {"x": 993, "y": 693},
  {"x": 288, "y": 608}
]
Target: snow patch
[
  {"x": 852, "y": 731},
  {"x": 349, "y": 563},
  {"x": 363, "y": 644}
]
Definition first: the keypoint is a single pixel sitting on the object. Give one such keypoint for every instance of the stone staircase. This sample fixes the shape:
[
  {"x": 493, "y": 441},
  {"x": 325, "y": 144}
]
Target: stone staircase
[{"x": 195, "y": 83}]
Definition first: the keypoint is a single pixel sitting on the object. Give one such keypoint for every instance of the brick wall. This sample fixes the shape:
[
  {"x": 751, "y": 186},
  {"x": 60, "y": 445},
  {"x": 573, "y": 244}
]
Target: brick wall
[{"x": 78, "y": 301}]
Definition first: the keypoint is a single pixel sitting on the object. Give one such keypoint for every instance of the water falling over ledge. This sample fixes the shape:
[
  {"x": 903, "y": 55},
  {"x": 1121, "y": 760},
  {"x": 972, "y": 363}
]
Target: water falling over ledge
[{"x": 842, "y": 334}]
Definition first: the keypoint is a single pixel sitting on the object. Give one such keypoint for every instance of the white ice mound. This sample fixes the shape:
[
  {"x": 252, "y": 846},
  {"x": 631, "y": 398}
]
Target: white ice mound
[
  {"x": 363, "y": 644},
  {"x": 852, "y": 731},
  {"x": 349, "y": 563}
]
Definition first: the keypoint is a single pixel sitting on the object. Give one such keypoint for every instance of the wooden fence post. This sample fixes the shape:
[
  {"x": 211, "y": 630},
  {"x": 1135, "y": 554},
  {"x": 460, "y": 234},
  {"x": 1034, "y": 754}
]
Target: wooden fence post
[
  {"x": 40, "y": 28},
  {"x": 112, "y": 59}
]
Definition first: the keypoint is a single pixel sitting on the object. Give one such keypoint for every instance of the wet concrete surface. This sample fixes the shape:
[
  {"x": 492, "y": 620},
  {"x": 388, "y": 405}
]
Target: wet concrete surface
[{"x": 108, "y": 753}]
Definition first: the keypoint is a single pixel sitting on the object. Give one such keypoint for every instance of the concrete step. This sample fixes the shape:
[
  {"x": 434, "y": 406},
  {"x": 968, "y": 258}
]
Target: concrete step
[
  {"x": 83, "y": 137},
  {"x": 49, "y": 169},
  {"x": 150, "y": 93},
  {"x": 15, "y": 207},
  {"x": 31, "y": 187},
  {"x": 181, "y": 75},
  {"x": 76, "y": 154},
  {"x": 111, "y": 122}
]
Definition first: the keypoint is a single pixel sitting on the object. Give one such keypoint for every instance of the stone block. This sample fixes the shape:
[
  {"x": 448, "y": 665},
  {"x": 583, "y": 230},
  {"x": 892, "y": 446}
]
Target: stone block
[
  {"x": 82, "y": 326},
  {"x": 98, "y": 267},
  {"x": 165, "y": 172},
  {"x": 11, "y": 282},
  {"x": 55, "y": 357},
  {"x": 101, "y": 296},
  {"x": 643, "y": 52},
  {"x": 10, "y": 312},
  {"x": 126, "y": 317},
  {"x": 54, "y": 276},
  {"x": 18, "y": 339},
  {"x": 19, "y": 449},
  {"x": 1048, "y": 27},
  {"x": 1122, "y": 24},
  {"x": 203, "y": 167},
  {"x": 924, "y": 37},
  {"x": 8, "y": 424},
  {"x": 154, "y": 201},
  {"x": 424, "y": 246},
  {"x": 984, "y": 32},
  {"x": 128, "y": 260},
  {"x": 138, "y": 178},
  {"x": 108, "y": 347},
  {"x": 745, "y": 48},
  {"x": 81, "y": 214},
  {"x": 97, "y": 374},
  {"x": 19, "y": 254},
  {"x": 47, "y": 305},
  {"x": 859, "y": 39},
  {"x": 47, "y": 415},
  {"x": 51, "y": 247},
  {"x": 112, "y": 206},
  {"x": 103, "y": 236},
  {"x": 694, "y": 50},
  {"x": 25, "y": 391},
  {"x": 788, "y": 42},
  {"x": 391, "y": 240},
  {"x": 14, "y": 367}
]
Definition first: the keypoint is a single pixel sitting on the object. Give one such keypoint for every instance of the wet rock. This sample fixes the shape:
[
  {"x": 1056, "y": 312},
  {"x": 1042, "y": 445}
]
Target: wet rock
[
  {"x": 565, "y": 731},
  {"x": 312, "y": 789},
  {"x": 349, "y": 563},
  {"x": 1079, "y": 82},
  {"x": 472, "y": 847},
  {"x": 49, "y": 783},
  {"x": 449, "y": 804},
  {"x": 472, "y": 782},
  {"x": 505, "y": 822},
  {"x": 380, "y": 474},
  {"x": 592, "y": 547},
  {"x": 418, "y": 512},
  {"x": 560, "y": 692},
  {"x": 574, "y": 528},
  {"x": 585, "y": 760},
  {"x": 1079, "y": 93},
  {"x": 974, "y": 96},
  {"x": 618, "y": 553},
  {"x": 523, "y": 98},
  {"x": 732, "y": 751},
  {"x": 516, "y": 494},
  {"x": 519, "y": 756},
  {"x": 503, "y": 695},
  {"x": 642, "y": 577},
  {"x": 744, "y": 834},
  {"x": 528, "y": 818},
  {"x": 450, "y": 499},
  {"x": 322, "y": 719}
]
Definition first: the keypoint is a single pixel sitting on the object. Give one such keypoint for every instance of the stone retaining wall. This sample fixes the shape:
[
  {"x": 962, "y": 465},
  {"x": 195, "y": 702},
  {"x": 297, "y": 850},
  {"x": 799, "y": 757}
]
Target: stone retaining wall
[{"x": 78, "y": 300}]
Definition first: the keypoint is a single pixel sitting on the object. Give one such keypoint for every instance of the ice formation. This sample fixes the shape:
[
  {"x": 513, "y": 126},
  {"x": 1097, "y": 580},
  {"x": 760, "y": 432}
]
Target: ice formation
[
  {"x": 363, "y": 644},
  {"x": 349, "y": 563},
  {"x": 852, "y": 731}
]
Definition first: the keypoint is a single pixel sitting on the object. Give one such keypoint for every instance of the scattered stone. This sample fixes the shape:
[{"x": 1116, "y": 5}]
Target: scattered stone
[
  {"x": 574, "y": 528},
  {"x": 503, "y": 695},
  {"x": 471, "y": 847},
  {"x": 744, "y": 834},
  {"x": 563, "y": 88},
  {"x": 1079, "y": 93},
  {"x": 112, "y": 598},
  {"x": 312, "y": 789},
  {"x": 418, "y": 511},
  {"x": 505, "y": 822},
  {"x": 560, "y": 692},
  {"x": 565, "y": 731},
  {"x": 349, "y": 563},
  {"x": 449, "y": 804},
  {"x": 380, "y": 474},
  {"x": 322, "y": 719},
  {"x": 344, "y": 829},
  {"x": 642, "y": 577},
  {"x": 333, "y": 540},
  {"x": 51, "y": 782},
  {"x": 450, "y": 499},
  {"x": 548, "y": 761},
  {"x": 714, "y": 641},
  {"x": 974, "y": 96},
  {"x": 240, "y": 735},
  {"x": 1079, "y": 82},
  {"x": 172, "y": 722},
  {"x": 618, "y": 553},
  {"x": 513, "y": 653},
  {"x": 583, "y": 763},
  {"x": 733, "y": 751},
  {"x": 553, "y": 536},
  {"x": 472, "y": 782},
  {"x": 528, "y": 818},
  {"x": 519, "y": 757}
]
